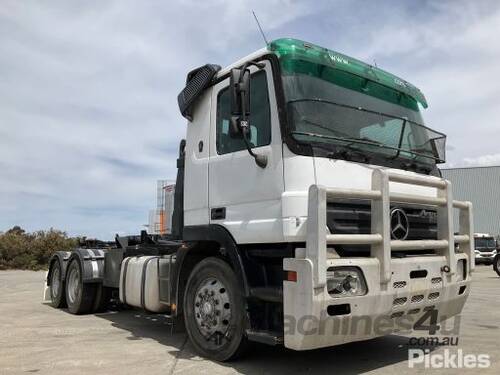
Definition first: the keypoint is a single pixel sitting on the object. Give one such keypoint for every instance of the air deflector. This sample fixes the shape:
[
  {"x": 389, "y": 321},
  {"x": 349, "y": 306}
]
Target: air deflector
[{"x": 197, "y": 81}]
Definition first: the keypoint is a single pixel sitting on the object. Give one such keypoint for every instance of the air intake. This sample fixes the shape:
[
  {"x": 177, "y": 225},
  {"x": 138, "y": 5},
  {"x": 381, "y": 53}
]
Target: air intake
[{"x": 197, "y": 81}]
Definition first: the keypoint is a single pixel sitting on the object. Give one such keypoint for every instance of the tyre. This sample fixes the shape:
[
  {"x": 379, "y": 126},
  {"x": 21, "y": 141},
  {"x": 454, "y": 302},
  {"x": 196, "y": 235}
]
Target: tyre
[
  {"x": 496, "y": 264},
  {"x": 214, "y": 311},
  {"x": 80, "y": 296},
  {"x": 57, "y": 293}
]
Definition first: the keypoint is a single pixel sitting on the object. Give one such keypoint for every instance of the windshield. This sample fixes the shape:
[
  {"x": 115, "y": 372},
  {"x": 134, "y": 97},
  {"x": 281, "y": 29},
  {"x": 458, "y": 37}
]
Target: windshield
[
  {"x": 485, "y": 243},
  {"x": 320, "y": 111}
]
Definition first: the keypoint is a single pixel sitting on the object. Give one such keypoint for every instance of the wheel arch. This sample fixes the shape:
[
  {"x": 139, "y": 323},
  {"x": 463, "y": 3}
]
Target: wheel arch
[{"x": 203, "y": 241}]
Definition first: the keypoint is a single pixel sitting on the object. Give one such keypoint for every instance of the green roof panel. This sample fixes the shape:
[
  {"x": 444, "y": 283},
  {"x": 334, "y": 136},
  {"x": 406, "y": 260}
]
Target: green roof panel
[{"x": 301, "y": 57}]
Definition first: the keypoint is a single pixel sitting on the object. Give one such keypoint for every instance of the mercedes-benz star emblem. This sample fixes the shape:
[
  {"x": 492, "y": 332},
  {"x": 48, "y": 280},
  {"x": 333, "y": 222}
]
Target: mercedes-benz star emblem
[{"x": 400, "y": 227}]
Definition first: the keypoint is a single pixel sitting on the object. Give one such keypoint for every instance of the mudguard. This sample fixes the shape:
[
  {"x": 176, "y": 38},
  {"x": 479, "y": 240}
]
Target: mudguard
[{"x": 92, "y": 262}]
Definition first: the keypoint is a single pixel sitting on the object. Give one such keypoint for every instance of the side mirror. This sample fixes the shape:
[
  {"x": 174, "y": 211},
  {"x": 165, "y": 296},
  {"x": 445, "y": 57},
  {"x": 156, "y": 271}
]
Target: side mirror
[{"x": 239, "y": 126}]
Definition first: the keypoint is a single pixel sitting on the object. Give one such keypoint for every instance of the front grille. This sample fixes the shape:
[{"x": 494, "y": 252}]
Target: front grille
[
  {"x": 418, "y": 298},
  {"x": 434, "y": 295},
  {"x": 436, "y": 280},
  {"x": 399, "y": 284},
  {"x": 354, "y": 217},
  {"x": 399, "y": 301}
]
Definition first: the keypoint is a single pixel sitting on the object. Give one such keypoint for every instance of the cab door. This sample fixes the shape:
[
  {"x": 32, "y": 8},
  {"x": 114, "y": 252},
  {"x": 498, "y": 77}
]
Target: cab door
[{"x": 243, "y": 197}]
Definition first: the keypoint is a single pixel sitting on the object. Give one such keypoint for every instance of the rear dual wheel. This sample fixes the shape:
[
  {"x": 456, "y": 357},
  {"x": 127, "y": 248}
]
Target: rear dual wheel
[
  {"x": 79, "y": 295},
  {"x": 57, "y": 290},
  {"x": 83, "y": 298}
]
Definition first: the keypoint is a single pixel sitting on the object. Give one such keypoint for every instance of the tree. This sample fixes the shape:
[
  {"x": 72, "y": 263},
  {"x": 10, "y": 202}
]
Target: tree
[{"x": 22, "y": 250}]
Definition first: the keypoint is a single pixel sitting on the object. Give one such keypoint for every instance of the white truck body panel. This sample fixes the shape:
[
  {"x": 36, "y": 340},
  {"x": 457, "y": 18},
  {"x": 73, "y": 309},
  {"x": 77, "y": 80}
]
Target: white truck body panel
[{"x": 196, "y": 169}]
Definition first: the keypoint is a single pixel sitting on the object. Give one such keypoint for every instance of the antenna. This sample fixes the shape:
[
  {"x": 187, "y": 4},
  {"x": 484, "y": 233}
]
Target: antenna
[{"x": 260, "y": 28}]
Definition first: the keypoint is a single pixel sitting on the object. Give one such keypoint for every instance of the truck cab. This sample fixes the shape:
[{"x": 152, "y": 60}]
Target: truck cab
[
  {"x": 485, "y": 248},
  {"x": 317, "y": 117},
  {"x": 300, "y": 150}
]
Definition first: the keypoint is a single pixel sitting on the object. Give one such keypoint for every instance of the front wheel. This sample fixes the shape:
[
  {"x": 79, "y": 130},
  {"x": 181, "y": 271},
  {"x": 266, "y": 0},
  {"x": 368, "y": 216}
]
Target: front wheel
[
  {"x": 214, "y": 311},
  {"x": 496, "y": 264}
]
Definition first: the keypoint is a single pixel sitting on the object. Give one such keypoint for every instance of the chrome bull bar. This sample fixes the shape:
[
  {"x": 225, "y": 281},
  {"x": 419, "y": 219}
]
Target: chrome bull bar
[{"x": 380, "y": 239}]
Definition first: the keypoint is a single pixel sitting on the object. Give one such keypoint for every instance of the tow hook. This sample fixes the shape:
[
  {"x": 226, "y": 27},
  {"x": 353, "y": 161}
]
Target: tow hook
[{"x": 445, "y": 269}]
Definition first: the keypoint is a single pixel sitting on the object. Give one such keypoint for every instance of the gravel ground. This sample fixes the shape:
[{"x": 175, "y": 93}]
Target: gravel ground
[{"x": 36, "y": 338}]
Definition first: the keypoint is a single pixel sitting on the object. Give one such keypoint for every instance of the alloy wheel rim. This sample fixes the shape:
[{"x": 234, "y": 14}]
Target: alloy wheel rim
[
  {"x": 55, "y": 282},
  {"x": 73, "y": 285},
  {"x": 212, "y": 310}
]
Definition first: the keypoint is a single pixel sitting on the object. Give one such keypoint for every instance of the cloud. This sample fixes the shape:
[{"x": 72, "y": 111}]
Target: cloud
[
  {"x": 484, "y": 160},
  {"x": 88, "y": 112}
]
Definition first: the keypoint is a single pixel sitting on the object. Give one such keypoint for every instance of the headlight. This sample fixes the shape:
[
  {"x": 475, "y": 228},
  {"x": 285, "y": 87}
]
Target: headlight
[{"x": 345, "y": 282}]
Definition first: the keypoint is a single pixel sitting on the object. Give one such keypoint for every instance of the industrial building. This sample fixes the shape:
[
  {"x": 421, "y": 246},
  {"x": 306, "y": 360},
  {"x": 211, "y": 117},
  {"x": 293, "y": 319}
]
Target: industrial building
[{"x": 481, "y": 186}]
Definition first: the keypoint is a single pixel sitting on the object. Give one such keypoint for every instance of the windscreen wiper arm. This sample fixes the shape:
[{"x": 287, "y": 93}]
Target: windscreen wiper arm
[
  {"x": 344, "y": 154},
  {"x": 343, "y": 139}
]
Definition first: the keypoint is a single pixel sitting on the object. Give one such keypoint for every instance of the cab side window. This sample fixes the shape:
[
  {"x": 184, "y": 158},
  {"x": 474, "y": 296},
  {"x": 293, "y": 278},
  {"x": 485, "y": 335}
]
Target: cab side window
[{"x": 260, "y": 117}]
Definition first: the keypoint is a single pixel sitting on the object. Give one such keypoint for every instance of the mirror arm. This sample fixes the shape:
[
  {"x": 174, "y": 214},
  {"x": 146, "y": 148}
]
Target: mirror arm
[{"x": 260, "y": 160}]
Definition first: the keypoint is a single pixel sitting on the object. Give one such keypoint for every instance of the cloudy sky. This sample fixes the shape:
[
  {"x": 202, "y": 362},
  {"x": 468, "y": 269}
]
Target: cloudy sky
[{"x": 88, "y": 114}]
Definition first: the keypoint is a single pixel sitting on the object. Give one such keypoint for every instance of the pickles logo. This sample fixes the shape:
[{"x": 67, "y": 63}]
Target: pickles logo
[
  {"x": 338, "y": 59},
  {"x": 447, "y": 359}
]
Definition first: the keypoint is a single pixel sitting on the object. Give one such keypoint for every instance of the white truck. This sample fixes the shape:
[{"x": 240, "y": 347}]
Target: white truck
[
  {"x": 307, "y": 195},
  {"x": 485, "y": 248}
]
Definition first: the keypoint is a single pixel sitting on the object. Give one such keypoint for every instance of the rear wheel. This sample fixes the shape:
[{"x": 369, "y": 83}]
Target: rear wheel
[
  {"x": 496, "y": 264},
  {"x": 79, "y": 296},
  {"x": 214, "y": 311},
  {"x": 57, "y": 296}
]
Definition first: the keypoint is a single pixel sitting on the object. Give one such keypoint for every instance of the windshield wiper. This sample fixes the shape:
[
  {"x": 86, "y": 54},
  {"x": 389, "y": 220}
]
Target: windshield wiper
[
  {"x": 349, "y": 141},
  {"x": 343, "y": 153}
]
